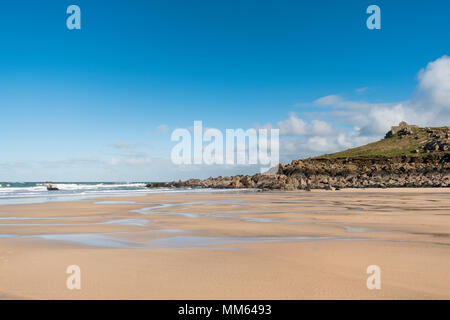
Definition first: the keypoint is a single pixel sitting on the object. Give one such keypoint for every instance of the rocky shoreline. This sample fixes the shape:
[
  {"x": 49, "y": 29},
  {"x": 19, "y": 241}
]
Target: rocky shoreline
[
  {"x": 414, "y": 172},
  {"x": 428, "y": 165}
]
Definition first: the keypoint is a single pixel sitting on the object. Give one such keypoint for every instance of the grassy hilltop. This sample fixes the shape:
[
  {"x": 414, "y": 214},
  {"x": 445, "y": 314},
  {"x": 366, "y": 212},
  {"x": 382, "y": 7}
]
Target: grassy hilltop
[{"x": 402, "y": 140}]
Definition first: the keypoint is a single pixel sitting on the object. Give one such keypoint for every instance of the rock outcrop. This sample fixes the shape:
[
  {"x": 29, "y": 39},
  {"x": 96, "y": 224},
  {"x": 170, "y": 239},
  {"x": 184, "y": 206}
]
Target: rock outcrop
[{"x": 425, "y": 164}]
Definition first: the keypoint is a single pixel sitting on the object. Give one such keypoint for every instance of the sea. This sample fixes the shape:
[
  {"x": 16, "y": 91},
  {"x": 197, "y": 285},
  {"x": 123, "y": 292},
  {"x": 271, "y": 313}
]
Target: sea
[{"x": 36, "y": 192}]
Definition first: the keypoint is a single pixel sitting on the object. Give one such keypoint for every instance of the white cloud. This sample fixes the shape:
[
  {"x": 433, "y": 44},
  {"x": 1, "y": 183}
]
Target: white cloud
[
  {"x": 331, "y": 100},
  {"x": 294, "y": 126},
  {"x": 429, "y": 106},
  {"x": 120, "y": 145},
  {"x": 381, "y": 119},
  {"x": 434, "y": 81},
  {"x": 162, "y": 129},
  {"x": 322, "y": 144},
  {"x": 361, "y": 90},
  {"x": 321, "y": 128}
]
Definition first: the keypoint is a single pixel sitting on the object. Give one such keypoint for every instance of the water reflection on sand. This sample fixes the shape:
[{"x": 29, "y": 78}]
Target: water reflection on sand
[{"x": 153, "y": 236}]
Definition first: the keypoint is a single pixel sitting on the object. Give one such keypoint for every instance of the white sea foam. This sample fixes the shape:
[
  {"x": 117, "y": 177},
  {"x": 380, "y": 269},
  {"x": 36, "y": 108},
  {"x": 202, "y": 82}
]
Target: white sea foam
[{"x": 36, "y": 192}]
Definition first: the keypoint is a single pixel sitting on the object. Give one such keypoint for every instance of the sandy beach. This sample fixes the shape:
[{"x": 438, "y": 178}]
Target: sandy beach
[{"x": 234, "y": 245}]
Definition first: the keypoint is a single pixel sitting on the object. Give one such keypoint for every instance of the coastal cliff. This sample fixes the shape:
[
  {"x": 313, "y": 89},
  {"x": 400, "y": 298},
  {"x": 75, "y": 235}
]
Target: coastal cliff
[{"x": 408, "y": 156}]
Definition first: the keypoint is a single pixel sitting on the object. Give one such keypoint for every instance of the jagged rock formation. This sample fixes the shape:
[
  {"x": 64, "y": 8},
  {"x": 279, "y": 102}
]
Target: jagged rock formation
[
  {"x": 440, "y": 141},
  {"x": 408, "y": 156}
]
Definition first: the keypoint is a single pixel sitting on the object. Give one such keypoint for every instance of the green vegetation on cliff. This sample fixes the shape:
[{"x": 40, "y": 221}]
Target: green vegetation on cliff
[{"x": 402, "y": 140}]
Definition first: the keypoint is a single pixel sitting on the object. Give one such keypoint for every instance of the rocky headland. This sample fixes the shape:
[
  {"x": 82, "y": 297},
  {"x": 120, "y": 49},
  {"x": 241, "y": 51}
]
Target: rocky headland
[{"x": 408, "y": 156}]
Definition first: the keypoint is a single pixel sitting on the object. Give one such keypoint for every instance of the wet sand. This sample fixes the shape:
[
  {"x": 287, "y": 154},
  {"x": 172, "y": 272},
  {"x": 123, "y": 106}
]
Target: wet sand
[{"x": 237, "y": 245}]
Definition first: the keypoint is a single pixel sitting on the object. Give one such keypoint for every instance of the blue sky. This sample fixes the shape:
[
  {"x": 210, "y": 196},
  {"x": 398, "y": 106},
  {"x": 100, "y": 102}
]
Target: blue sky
[{"x": 86, "y": 104}]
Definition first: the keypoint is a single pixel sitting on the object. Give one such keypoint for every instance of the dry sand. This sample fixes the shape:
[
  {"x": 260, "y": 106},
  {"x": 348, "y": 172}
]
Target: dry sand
[{"x": 274, "y": 245}]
